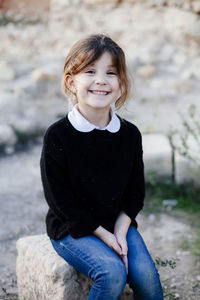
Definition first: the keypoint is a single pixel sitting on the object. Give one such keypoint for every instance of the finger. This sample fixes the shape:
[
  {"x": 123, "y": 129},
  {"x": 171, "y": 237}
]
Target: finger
[
  {"x": 126, "y": 263},
  {"x": 124, "y": 250},
  {"x": 117, "y": 249},
  {"x": 123, "y": 245},
  {"x": 125, "y": 260}
]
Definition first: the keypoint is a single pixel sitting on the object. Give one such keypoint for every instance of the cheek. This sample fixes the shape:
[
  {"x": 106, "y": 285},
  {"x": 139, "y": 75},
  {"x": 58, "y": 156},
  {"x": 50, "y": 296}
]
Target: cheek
[
  {"x": 116, "y": 84},
  {"x": 84, "y": 85},
  {"x": 82, "y": 93}
]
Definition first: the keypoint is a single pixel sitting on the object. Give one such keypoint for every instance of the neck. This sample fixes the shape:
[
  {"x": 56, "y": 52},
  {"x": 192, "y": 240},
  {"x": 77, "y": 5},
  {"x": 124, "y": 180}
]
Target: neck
[{"x": 99, "y": 117}]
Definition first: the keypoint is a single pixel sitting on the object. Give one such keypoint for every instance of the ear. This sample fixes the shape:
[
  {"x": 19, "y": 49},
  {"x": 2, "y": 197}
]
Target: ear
[{"x": 70, "y": 83}]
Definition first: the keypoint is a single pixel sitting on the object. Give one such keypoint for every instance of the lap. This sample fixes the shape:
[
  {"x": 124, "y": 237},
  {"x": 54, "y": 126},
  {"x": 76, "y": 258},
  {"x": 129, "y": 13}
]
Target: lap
[
  {"x": 92, "y": 257},
  {"x": 88, "y": 254}
]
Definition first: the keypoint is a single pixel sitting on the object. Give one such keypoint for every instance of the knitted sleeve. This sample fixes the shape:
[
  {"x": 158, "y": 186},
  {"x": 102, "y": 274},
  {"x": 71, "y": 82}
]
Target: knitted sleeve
[
  {"x": 57, "y": 191},
  {"x": 133, "y": 198}
]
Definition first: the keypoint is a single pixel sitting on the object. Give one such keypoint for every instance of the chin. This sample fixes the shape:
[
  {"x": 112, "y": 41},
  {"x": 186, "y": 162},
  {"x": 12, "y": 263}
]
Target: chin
[{"x": 101, "y": 105}]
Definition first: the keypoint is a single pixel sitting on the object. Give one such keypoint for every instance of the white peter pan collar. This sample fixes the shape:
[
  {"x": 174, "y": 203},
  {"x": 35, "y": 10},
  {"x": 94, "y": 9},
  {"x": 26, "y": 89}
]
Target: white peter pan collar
[{"x": 81, "y": 124}]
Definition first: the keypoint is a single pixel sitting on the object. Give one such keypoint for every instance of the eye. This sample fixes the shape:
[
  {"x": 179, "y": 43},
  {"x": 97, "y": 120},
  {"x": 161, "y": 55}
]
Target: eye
[
  {"x": 111, "y": 73},
  {"x": 89, "y": 71}
]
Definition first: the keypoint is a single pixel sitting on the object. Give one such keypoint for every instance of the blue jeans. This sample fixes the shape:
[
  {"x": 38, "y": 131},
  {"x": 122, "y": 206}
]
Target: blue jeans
[{"x": 92, "y": 257}]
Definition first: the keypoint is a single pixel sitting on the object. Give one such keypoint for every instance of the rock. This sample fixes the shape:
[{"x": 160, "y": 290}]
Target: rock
[
  {"x": 152, "y": 218},
  {"x": 179, "y": 59},
  {"x": 180, "y": 86},
  {"x": 147, "y": 58},
  {"x": 39, "y": 75},
  {"x": 173, "y": 285},
  {"x": 96, "y": 2},
  {"x": 167, "y": 52},
  {"x": 6, "y": 72},
  {"x": 65, "y": 2},
  {"x": 146, "y": 71},
  {"x": 198, "y": 277},
  {"x": 196, "y": 6},
  {"x": 187, "y": 156},
  {"x": 187, "y": 74},
  {"x": 7, "y": 135},
  {"x": 156, "y": 84},
  {"x": 196, "y": 68},
  {"x": 187, "y": 171},
  {"x": 182, "y": 25},
  {"x": 9, "y": 149},
  {"x": 157, "y": 155},
  {"x": 43, "y": 274},
  {"x": 27, "y": 127}
]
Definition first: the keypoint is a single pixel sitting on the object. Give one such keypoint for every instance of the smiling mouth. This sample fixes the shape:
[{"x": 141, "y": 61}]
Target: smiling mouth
[{"x": 99, "y": 92}]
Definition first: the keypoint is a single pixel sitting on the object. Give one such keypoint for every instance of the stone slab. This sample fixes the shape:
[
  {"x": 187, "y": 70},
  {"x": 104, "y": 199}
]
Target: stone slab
[
  {"x": 157, "y": 154},
  {"x": 44, "y": 275},
  {"x": 158, "y": 160}
]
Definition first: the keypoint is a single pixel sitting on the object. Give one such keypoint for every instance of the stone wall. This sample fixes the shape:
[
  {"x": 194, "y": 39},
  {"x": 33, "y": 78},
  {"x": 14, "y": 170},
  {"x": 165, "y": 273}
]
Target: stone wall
[
  {"x": 162, "y": 45},
  {"x": 191, "y": 5},
  {"x": 24, "y": 5},
  {"x": 43, "y": 5}
]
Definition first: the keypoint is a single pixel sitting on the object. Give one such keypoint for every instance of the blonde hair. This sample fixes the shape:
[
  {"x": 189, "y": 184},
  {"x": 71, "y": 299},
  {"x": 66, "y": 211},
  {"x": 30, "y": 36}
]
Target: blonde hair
[{"x": 89, "y": 49}]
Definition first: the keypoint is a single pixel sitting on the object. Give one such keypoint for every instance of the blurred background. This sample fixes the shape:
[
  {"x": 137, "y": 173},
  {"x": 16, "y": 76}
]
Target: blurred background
[{"x": 161, "y": 39}]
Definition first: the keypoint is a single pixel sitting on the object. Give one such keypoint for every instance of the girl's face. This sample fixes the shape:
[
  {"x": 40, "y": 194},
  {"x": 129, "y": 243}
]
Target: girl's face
[{"x": 97, "y": 85}]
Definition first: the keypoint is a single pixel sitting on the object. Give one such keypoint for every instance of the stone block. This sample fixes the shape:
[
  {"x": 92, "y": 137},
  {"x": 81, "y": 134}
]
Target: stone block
[
  {"x": 44, "y": 275},
  {"x": 157, "y": 155},
  {"x": 158, "y": 160},
  {"x": 187, "y": 171}
]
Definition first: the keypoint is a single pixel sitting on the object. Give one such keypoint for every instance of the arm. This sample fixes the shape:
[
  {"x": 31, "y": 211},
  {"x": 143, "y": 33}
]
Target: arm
[
  {"x": 133, "y": 197},
  {"x": 57, "y": 190},
  {"x": 122, "y": 224}
]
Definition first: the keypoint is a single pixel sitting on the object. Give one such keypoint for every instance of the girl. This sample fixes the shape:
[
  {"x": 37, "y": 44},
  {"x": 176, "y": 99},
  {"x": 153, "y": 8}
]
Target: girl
[{"x": 93, "y": 177}]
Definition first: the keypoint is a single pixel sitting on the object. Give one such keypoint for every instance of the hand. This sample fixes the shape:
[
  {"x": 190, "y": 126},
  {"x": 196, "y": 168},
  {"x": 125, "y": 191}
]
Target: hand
[
  {"x": 121, "y": 240},
  {"x": 120, "y": 230},
  {"x": 109, "y": 239}
]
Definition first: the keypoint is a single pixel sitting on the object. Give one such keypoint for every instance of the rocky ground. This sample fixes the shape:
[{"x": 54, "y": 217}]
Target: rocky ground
[{"x": 162, "y": 44}]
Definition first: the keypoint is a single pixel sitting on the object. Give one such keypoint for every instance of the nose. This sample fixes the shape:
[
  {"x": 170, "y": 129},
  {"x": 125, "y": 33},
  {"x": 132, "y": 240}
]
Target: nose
[{"x": 100, "y": 79}]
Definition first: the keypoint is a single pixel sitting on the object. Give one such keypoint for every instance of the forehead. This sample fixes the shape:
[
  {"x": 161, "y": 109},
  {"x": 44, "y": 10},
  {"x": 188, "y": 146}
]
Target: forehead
[{"x": 106, "y": 59}]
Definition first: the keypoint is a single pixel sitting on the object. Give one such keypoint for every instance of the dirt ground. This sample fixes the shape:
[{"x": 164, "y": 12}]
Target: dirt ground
[{"x": 23, "y": 210}]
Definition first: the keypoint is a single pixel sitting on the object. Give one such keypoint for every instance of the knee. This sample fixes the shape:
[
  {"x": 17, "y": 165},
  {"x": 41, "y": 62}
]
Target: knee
[
  {"x": 113, "y": 278},
  {"x": 145, "y": 272},
  {"x": 116, "y": 275},
  {"x": 146, "y": 282}
]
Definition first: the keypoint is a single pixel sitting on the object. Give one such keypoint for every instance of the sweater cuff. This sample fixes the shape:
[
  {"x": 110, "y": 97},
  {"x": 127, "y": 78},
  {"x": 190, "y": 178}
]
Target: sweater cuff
[
  {"x": 131, "y": 212},
  {"x": 81, "y": 229}
]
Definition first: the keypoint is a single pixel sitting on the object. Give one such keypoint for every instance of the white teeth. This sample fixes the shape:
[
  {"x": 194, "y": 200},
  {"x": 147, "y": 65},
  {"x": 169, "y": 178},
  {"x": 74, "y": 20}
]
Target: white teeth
[{"x": 99, "y": 92}]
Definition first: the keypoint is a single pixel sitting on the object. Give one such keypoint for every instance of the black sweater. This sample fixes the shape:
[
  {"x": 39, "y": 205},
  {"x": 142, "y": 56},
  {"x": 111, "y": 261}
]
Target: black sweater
[{"x": 89, "y": 177}]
